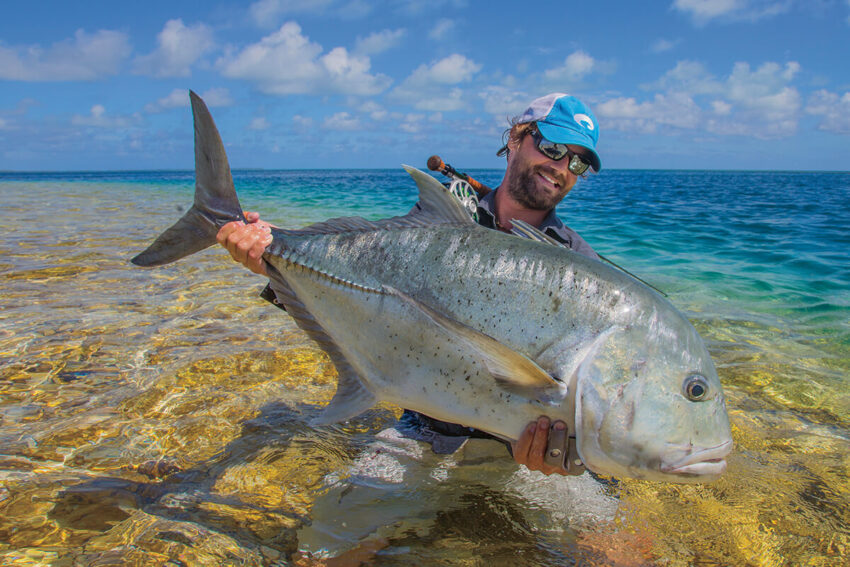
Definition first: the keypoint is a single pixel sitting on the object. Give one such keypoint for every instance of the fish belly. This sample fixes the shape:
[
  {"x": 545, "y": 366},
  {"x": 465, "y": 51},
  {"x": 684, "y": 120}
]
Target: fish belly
[{"x": 404, "y": 358}]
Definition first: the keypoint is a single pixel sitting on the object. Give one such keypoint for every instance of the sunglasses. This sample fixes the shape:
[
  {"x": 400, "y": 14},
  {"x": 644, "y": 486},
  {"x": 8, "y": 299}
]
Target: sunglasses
[{"x": 557, "y": 152}]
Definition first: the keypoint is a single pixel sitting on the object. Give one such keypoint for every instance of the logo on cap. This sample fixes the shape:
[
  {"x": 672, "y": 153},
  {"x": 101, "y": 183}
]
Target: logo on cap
[{"x": 584, "y": 120}]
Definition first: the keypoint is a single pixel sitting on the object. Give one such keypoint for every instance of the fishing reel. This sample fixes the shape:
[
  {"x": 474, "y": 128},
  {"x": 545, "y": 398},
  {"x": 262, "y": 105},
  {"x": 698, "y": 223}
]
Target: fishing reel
[
  {"x": 463, "y": 192},
  {"x": 463, "y": 187}
]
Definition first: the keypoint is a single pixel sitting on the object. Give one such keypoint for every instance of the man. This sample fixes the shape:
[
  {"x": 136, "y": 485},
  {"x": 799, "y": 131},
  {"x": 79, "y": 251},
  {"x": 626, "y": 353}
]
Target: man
[{"x": 547, "y": 148}]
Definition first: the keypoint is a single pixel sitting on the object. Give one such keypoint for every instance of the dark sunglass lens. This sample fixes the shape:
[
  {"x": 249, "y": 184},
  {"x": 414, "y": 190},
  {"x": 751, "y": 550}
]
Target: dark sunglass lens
[
  {"x": 558, "y": 151},
  {"x": 552, "y": 150},
  {"x": 578, "y": 165}
]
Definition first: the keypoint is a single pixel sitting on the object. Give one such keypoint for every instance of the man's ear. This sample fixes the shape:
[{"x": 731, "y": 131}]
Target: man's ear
[{"x": 514, "y": 139}]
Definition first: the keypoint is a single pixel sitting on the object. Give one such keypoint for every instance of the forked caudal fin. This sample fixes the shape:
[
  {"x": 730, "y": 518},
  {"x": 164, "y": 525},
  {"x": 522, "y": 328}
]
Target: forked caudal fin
[{"x": 215, "y": 204}]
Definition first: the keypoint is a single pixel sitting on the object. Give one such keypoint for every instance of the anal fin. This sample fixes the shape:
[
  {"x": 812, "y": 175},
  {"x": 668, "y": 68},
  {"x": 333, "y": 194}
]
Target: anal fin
[{"x": 352, "y": 397}]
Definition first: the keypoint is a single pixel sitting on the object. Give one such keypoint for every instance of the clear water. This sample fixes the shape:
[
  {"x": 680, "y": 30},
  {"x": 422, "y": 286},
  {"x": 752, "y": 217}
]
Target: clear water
[{"x": 161, "y": 415}]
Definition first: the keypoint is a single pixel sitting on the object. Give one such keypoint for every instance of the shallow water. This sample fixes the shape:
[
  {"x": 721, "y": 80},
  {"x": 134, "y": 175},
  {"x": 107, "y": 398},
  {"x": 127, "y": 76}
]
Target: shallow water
[{"x": 156, "y": 415}]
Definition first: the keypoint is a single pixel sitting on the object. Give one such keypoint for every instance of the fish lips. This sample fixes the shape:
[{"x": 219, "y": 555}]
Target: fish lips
[{"x": 705, "y": 462}]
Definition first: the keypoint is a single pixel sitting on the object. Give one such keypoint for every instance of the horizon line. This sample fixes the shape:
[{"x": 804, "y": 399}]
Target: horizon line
[{"x": 239, "y": 169}]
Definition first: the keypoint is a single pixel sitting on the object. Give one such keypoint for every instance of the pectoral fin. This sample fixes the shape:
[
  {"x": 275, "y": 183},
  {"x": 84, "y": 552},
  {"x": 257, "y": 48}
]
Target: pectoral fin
[{"x": 512, "y": 370}]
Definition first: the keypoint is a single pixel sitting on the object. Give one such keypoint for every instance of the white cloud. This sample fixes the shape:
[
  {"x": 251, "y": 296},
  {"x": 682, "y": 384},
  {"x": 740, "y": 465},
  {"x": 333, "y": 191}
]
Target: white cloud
[
  {"x": 267, "y": 13},
  {"x": 99, "y": 119},
  {"x": 764, "y": 105},
  {"x": 287, "y": 62},
  {"x": 575, "y": 67},
  {"x": 374, "y": 110},
  {"x": 504, "y": 102},
  {"x": 179, "y": 98},
  {"x": 835, "y": 111},
  {"x": 670, "y": 110},
  {"x": 758, "y": 103},
  {"x": 178, "y": 48},
  {"x": 411, "y": 123},
  {"x": 4, "y": 125},
  {"x": 433, "y": 87},
  {"x": 662, "y": 45},
  {"x": 449, "y": 70},
  {"x": 219, "y": 96},
  {"x": 341, "y": 121},
  {"x": 427, "y": 7},
  {"x": 773, "y": 116},
  {"x": 769, "y": 78},
  {"x": 85, "y": 57},
  {"x": 303, "y": 123},
  {"x": 704, "y": 11},
  {"x": 378, "y": 42},
  {"x": 259, "y": 123},
  {"x": 441, "y": 29},
  {"x": 354, "y": 9},
  {"x": 688, "y": 77},
  {"x": 721, "y": 108}
]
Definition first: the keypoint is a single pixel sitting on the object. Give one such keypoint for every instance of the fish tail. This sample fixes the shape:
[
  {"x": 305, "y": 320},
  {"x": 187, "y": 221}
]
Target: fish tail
[{"x": 215, "y": 204}]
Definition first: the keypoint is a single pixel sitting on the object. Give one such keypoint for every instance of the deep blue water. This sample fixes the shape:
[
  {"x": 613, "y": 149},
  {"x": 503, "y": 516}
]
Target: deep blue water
[{"x": 755, "y": 242}]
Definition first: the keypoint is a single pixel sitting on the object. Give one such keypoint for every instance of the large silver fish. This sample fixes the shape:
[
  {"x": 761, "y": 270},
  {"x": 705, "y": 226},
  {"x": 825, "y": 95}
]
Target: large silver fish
[{"x": 435, "y": 313}]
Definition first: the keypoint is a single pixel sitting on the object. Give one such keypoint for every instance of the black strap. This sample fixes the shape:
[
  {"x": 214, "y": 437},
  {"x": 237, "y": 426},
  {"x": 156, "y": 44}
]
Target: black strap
[{"x": 268, "y": 295}]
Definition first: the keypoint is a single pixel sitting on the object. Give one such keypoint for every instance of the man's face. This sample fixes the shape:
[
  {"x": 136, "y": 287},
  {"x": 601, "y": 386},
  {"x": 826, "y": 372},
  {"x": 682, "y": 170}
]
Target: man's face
[{"x": 534, "y": 180}]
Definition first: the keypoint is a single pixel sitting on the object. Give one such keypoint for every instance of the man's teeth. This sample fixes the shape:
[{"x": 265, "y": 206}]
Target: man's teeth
[{"x": 549, "y": 179}]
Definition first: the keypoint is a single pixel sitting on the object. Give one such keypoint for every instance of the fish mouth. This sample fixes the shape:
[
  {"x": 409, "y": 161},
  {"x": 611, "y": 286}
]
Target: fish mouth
[{"x": 710, "y": 461}]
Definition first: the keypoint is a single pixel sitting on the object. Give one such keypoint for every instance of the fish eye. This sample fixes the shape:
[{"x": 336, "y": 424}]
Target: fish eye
[{"x": 695, "y": 387}]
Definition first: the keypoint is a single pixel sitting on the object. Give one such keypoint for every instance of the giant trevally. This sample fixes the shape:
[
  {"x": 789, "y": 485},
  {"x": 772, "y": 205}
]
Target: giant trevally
[{"x": 432, "y": 312}]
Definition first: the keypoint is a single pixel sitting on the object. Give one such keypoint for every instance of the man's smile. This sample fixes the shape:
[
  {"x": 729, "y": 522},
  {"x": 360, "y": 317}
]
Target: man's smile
[{"x": 549, "y": 179}]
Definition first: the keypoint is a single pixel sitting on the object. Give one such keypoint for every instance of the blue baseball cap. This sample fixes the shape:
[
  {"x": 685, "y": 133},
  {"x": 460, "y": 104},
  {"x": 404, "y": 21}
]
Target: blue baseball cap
[{"x": 564, "y": 119}]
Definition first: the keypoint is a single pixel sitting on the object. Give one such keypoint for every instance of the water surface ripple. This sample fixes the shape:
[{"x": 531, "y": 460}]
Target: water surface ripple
[{"x": 155, "y": 416}]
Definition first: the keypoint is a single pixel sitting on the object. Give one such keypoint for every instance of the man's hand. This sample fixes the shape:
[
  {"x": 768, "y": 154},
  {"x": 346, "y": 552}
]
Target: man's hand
[
  {"x": 530, "y": 448},
  {"x": 247, "y": 242}
]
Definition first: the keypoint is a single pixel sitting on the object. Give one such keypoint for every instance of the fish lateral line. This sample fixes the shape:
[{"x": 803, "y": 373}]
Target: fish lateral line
[{"x": 291, "y": 261}]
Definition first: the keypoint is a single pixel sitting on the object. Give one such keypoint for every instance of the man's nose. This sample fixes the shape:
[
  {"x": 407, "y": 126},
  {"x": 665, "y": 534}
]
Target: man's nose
[{"x": 562, "y": 166}]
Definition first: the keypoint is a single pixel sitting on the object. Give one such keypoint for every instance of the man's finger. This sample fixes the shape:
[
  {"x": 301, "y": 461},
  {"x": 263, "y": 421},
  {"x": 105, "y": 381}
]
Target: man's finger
[
  {"x": 523, "y": 444},
  {"x": 260, "y": 246},
  {"x": 225, "y": 231},
  {"x": 539, "y": 442},
  {"x": 245, "y": 244}
]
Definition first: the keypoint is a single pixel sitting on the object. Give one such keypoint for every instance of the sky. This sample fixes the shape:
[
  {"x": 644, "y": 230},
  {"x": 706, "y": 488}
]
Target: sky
[{"x": 292, "y": 84}]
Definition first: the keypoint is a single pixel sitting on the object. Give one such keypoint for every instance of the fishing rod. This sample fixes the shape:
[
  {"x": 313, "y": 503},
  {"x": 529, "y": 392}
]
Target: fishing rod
[{"x": 436, "y": 163}]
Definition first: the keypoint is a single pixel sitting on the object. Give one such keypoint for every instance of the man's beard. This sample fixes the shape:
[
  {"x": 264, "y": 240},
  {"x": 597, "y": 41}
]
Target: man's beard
[{"x": 522, "y": 187}]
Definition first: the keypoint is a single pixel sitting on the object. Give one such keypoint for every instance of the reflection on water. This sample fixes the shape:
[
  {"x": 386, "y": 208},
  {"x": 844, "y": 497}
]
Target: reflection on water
[{"x": 156, "y": 416}]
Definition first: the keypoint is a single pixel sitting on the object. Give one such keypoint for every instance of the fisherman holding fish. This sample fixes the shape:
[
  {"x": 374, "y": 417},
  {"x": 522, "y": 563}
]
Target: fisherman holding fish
[
  {"x": 543, "y": 330},
  {"x": 547, "y": 147}
]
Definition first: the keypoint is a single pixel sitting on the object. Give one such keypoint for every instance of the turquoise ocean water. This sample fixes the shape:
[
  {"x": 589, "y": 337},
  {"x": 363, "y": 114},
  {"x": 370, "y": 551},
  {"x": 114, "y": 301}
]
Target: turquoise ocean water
[{"x": 132, "y": 384}]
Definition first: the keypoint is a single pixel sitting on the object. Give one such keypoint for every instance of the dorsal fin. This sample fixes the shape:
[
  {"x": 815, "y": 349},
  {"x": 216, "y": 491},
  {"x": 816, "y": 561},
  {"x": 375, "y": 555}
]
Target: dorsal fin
[
  {"x": 436, "y": 206},
  {"x": 435, "y": 200}
]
